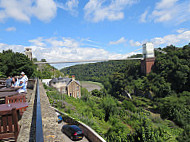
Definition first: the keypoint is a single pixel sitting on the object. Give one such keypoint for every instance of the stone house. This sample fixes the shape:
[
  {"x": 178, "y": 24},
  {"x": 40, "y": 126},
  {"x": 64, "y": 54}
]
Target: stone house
[{"x": 68, "y": 86}]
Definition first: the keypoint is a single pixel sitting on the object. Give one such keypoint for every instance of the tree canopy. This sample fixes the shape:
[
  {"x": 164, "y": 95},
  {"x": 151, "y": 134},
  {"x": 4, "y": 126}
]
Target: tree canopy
[{"x": 14, "y": 63}]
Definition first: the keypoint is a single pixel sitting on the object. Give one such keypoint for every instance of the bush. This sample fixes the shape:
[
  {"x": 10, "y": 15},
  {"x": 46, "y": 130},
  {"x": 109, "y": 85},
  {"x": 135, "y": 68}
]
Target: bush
[{"x": 129, "y": 105}]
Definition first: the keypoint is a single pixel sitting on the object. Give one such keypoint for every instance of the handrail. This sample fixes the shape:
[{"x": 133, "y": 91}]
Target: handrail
[{"x": 39, "y": 129}]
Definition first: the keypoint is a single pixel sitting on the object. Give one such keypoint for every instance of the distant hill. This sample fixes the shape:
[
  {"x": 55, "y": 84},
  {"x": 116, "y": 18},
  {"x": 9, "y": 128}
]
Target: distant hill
[{"x": 100, "y": 70}]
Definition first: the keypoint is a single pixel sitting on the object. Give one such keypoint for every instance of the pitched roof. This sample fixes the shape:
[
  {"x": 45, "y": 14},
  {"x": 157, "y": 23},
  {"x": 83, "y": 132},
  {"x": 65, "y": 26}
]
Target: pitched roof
[{"x": 65, "y": 80}]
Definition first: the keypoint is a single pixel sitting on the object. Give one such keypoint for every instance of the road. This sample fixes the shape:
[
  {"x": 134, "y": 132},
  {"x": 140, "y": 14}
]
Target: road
[{"x": 66, "y": 138}]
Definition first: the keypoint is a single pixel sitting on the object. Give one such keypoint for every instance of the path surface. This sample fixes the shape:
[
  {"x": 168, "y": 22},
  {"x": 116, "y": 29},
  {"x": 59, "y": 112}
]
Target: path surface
[
  {"x": 66, "y": 138},
  {"x": 89, "y": 86}
]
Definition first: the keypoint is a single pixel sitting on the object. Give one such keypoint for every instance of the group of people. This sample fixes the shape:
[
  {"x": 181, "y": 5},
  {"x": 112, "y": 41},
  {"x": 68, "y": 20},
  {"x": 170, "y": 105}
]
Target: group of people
[{"x": 18, "y": 82}]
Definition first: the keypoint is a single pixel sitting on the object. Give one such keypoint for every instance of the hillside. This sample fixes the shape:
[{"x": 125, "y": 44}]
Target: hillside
[{"x": 144, "y": 118}]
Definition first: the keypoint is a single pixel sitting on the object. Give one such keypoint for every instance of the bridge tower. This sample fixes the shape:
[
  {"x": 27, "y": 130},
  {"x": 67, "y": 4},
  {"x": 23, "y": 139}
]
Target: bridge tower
[
  {"x": 28, "y": 53},
  {"x": 149, "y": 58}
]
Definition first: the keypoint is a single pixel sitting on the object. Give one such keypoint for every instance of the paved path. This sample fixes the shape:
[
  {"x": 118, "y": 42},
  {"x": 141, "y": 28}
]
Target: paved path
[{"x": 66, "y": 138}]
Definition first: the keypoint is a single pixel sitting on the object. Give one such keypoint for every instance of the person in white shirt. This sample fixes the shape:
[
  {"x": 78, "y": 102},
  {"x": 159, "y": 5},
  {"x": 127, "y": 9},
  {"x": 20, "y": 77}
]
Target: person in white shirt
[{"x": 24, "y": 78}]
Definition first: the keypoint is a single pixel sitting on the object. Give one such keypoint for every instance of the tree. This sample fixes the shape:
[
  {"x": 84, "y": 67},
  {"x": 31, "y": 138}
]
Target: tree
[
  {"x": 118, "y": 84},
  {"x": 43, "y": 60},
  {"x": 14, "y": 63},
  {"x": 34, "y": 59},
  {"x": 109, "y": 105}
]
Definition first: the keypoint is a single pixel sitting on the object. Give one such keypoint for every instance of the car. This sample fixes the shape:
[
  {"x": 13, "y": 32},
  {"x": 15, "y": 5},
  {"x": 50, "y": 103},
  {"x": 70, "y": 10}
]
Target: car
[{"x": 73, "y": 131}]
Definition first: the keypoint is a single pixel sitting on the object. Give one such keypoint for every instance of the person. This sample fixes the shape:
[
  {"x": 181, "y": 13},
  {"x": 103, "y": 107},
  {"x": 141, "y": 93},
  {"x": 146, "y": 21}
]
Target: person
[
  {"x": 22, "y": 87},
  {"x": 25, "y": 78},
  {"x": 13, "y": 81},
  {"x": 8, "y": 82},
  {"x": 17, "y": 81}
]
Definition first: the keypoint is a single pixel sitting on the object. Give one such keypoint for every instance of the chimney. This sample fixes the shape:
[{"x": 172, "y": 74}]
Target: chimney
[{"x": 73, "y": 77}]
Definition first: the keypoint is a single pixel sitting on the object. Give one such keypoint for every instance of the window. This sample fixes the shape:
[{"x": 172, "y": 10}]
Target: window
[{"x": 77, "y": 88}]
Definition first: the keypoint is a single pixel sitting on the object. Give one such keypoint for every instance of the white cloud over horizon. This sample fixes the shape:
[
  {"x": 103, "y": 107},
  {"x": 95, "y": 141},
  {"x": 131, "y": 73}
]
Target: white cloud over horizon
[
  {"x": 64, "y": 49},
  {"x": 67, "y": 49},
  {"x": 182, "y": 36}
]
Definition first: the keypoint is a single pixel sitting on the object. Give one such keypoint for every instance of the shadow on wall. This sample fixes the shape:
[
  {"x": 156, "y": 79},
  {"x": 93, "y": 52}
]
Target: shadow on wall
[{"x": 31, "y": 83}]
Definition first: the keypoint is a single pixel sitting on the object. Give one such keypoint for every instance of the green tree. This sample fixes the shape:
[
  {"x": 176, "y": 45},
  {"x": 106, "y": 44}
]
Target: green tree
[
  {"x": 109, "y": 105},
  {"x": 14, "y": 63}
]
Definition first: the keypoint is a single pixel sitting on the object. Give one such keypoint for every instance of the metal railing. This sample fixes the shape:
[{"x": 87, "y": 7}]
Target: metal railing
[{"x": 39, "y": 129}]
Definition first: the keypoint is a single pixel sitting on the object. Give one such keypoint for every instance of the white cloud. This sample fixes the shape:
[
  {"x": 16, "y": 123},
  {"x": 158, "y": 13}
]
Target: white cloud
[
  {"x": 15, "y": 48},
  {"x": 181, "y": 30},
  {"x": 181, "y": 37},
  {"x": 44, "y": 10},
  {"x": 144, "y": 16},
  {"x": 38, "y": 42},
  {"x": 119, "y": 41},
  {"x": 10, "y": 29},
  {"x": 96, "y": 10},
  {"x": 65, "y": 49},
  {"x": 173, "y": 11},
  {"x": 64, "y": 42},
  {"x": 135, "y": 43},
  {"x": 165, "y": 4},
  {"x": 23, "y": 10},
  {"x": 70, "y": 5}
]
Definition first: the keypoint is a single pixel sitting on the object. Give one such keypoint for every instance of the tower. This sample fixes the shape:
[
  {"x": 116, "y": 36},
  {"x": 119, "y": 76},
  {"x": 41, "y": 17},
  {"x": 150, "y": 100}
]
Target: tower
[
  {"x": 149, "y": 58},
  {"x": 28, "y": 52}
]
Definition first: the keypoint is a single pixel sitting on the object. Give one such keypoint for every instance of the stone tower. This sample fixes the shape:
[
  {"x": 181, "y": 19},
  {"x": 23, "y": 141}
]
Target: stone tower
[
  {"x": 149, "y": 58},
  {"x": 28, "y": 52}
]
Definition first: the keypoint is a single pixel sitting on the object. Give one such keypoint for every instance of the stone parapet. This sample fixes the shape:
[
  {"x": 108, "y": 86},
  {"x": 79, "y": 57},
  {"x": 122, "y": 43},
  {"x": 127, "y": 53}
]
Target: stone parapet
[
  {"x": 51, "y": 131},
  {"x": 26, "y": 121}
]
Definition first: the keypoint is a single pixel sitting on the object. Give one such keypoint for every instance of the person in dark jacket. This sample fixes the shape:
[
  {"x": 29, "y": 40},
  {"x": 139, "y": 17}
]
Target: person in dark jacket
[{"x": 8, "y": 82}]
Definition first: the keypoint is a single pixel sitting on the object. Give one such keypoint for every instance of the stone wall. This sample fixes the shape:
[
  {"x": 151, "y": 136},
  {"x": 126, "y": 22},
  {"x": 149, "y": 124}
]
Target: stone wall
[
  {"x": 51, "y": 131},
  {"x": 26, "y": 121}
]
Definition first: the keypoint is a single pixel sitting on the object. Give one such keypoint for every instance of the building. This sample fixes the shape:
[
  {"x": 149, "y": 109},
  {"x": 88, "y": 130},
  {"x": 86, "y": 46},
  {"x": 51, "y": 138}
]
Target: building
[
  {"x": 149, "y": 58},
  {"x": 28, "y": 53},
  {"x": 68, "y": 86},
  {"x": 46, "y": 81}
]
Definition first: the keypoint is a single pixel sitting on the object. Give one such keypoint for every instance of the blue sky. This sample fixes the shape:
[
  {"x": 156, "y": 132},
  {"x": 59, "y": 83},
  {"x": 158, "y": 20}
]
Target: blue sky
[{"x": 63, "y": 30}]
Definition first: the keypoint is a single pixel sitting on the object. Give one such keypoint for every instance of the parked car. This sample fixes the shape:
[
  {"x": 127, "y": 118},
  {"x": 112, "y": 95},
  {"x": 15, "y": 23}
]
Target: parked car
[{"x": 73, "y": 131}]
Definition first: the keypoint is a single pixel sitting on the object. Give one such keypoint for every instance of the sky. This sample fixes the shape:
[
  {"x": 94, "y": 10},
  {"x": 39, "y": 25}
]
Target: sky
[{"x": 65, "y": 30}]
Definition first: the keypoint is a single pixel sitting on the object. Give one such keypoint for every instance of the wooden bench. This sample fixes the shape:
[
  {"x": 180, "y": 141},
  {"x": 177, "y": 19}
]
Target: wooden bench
[
  {"x": 16, "y": 99},
  {"x": 9, "y": 124}
]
